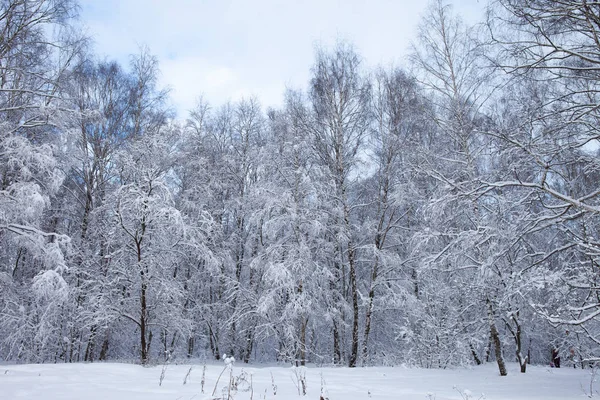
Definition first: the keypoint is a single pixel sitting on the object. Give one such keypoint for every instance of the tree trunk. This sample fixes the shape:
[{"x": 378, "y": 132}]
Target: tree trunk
[
  {"x": 369, "y": 312},
  {"x": 143, "y": 308},
  {"x": 496, "y": 340},
  {"x": 498, "y": 349},
  {"x": 337, "y": 355},
  {"x": 334, "y": 289},
  {"x": 214, "y": 345},
  {"x": 488, "y": 349},
  {"x": 89, "y": 351},
  {"x": 516, "y": 333},
  {"x": 522, "y": 360},
  {"x": 249, "y": 344},
  {"x": 190, "y": 347},
  {"x": 143, "y": 311},
  {"x": 104, "y": 349},
  {"x": 353, "y": 288},
  {"x": 303, "y": 325},
  {"x": 354, "y": 292},
  {"x": 474, "y": 354}
]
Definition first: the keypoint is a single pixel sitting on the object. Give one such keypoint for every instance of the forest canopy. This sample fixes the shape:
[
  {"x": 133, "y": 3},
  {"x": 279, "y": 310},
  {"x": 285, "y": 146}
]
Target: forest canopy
[{"x": 443, "y": 214}]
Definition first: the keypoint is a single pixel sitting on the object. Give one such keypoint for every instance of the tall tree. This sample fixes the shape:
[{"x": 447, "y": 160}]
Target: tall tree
[
  {"x": 100, "y": 92},
  {"x": 340, "y": 96},
  {"x": 552, "y": 47},
  {"x": 399, "y": 109},
  {"x": 37, "y": 46},
  {"x": 449, "y": 64}
]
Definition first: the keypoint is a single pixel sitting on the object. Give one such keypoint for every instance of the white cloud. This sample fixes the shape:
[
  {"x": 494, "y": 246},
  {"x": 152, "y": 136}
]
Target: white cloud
[
  {"x": 189, "y": 77},
  {"x": 224, "y": 49},
  {"x": 220, "y": 77}
]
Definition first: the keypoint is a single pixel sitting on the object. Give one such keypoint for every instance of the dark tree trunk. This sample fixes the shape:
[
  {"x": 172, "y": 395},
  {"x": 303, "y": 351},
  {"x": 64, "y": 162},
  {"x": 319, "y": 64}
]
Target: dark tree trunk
[
  {"x": 89, "y": 350},
  {"x": 104, "y": 349},
  {"x": 144, "y": 345},
  {"x": 214, "y": 344},
  {"x": 353, "y": 288},
  {"x": 249, "y": 345},
  {"x": 517, "y": 334},
  {"x": 354, "y": 292},
  {"x": 496, "y": 340},
  {"x": 337, "y": 355},
  {"x": 474, "y": 354},
  {"x": 302, "y": 355},
  {"x": 369, "y": 312},
  {"x": 190, "y": 347},
  {"x": 498, "y": 349}
]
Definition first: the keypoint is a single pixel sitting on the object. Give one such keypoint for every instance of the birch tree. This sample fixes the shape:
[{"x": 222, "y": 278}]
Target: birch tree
[{"x": 340, "y": 96}]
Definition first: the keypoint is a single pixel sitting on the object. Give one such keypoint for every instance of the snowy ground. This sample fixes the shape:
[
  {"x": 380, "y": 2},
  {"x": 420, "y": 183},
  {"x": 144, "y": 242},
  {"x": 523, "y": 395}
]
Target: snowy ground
[{"x": 126, "y": 382}]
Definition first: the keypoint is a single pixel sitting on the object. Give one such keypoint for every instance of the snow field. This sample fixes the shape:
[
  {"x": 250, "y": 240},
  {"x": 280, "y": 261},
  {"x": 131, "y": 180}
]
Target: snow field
[{"x": 130, "y": 382}]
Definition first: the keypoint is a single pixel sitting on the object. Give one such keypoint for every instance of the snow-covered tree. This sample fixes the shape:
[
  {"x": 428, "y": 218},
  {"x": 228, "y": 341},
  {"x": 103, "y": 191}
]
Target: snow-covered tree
[{"x": 37, "y": 46}]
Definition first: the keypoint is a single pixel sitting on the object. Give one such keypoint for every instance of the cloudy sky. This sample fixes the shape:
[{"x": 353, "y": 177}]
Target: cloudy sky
[{"x": 227, "y": 49}]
